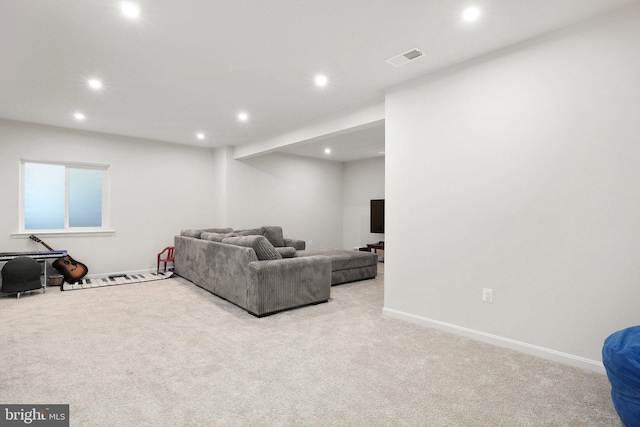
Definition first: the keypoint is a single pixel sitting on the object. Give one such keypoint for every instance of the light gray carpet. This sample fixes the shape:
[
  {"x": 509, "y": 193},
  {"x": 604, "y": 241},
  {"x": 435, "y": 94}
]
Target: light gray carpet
[{"x": 168, "y": 353}]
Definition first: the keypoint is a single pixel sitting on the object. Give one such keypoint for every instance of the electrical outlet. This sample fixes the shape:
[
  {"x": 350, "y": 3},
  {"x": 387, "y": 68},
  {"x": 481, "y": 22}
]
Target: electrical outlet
[
  {"x": 309, "y": 244},
  {"x": 487, "y": 295}
]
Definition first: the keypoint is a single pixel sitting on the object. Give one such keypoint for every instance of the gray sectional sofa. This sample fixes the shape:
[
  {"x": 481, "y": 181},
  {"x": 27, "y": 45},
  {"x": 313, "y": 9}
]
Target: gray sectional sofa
[
  {"x": 263, "y": 272},
  {"x": 233, "y": 269}
]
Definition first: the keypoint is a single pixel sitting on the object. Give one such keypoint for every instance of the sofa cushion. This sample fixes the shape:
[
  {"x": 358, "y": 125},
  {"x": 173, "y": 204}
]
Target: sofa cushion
[
  {"x": 216, "y": 237},
  {"x": 219, "y": 230},
  {"x": 274, "y": 235},
  {"x": 249, "y": 232},
  {"x": 191, "y": 233},
  {"x": 263, "y": 249},
  {"x": 287, "y": 252}
]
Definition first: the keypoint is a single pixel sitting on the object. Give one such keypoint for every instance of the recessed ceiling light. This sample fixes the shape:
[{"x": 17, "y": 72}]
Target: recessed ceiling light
[
  {"x": 95, "y": 84},
  {"x": 471, "y": 14},
  {"x": 79, "y": 116},
  {"x": 200, "y": 135},
  {"x": 321, "y": 80},
  {"x": 327, "y": 151},
  {"x": 243, "y": 117},
  {"x": 129, "y": 9}
]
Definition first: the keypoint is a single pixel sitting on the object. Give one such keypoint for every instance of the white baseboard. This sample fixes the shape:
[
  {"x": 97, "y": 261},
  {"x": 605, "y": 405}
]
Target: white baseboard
[{"x": 523, "y": 347}]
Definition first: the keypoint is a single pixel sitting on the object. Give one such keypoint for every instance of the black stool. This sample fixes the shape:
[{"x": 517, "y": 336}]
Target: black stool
[{"x": 20, "y": 275}]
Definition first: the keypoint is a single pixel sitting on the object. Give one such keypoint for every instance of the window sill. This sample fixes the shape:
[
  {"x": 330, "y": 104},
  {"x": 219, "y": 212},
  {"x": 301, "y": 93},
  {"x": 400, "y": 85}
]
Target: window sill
[{"x": 56, "y": 233}]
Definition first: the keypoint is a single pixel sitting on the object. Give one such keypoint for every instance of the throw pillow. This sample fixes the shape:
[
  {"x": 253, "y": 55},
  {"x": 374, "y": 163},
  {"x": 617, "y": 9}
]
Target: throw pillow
[
  {"x": 287, "y": 252},
  {"x": 264, "y": 250},
  {"x": 274, "y": 235},
  {"x": 215, "y": 237},
  {"x": 191, "y": 233}
]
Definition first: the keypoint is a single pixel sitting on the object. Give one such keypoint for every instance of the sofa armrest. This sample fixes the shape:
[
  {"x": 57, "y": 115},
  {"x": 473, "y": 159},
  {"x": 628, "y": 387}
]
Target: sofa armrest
[
  {"x": 287, "y": 283},
  {"x": 295, "y": 243}
]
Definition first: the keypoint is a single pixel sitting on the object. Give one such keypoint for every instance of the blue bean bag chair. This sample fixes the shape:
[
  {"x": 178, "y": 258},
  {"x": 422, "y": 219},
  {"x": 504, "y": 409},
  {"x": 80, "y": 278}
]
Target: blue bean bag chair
[{"x": 621, "y": 359}]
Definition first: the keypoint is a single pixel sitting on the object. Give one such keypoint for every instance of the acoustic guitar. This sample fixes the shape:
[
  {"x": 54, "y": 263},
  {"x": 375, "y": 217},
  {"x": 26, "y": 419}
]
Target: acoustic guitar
[{"x": 71, "y": 269}]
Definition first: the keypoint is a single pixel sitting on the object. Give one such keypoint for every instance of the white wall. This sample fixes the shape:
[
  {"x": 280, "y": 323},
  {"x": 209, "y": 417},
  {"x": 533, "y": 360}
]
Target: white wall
[
  {"x": 303, "y": 195},
  {"x": 363, "y": 181},
  {"x": 156, "y": 190},
  {"x": 521, "y": 173},
  {"x": 320, "y": 201},
  {"x": 221, "y": 158}
]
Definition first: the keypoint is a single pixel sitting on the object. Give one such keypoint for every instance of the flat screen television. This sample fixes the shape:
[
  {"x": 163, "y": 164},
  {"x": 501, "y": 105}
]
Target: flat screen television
[{"x": 377, "y": 216}]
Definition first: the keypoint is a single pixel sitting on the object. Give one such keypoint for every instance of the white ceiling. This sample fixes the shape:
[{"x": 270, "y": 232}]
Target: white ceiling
[
  {"x": 190, "y": 66},
  {"x": 348, "y": 146}
]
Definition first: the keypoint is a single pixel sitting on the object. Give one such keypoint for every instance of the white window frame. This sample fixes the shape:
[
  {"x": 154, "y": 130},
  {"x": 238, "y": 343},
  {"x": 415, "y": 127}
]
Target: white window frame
[{"x": 106, "y": 200}]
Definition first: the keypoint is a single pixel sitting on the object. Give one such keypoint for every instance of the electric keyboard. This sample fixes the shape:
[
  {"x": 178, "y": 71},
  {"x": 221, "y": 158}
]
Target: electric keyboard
[{"x": 6, "y": 256}]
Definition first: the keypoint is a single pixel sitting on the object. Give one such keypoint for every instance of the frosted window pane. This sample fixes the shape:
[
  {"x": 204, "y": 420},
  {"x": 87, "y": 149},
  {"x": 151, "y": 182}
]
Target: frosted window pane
[
  {"x": 85, "y": 198},
  {"x": 43, "y": 196}
]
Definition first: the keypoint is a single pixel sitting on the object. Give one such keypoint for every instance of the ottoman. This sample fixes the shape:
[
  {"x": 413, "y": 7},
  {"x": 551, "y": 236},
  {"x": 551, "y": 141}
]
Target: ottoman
[
  {"x": 621, "y": 359},
  {"x": 347, "y": 266}
]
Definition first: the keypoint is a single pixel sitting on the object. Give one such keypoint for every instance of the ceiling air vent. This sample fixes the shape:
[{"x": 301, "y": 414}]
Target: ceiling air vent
[{"x": 405, "y": 57}]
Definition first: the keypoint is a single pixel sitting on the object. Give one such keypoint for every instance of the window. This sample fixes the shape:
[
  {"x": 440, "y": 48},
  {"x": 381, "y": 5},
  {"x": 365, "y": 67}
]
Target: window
[{"x": 59, "y": 197}]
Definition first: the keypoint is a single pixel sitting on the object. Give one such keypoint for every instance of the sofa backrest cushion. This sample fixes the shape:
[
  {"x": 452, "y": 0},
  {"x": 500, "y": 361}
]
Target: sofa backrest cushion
[
  {"x": 263, "y": 249},
  {"x": 249, "y": 232},
  {"x": 273, "y": 234},
  {"x": 216, "y": 237},
  {"x": 219, "y": 230},
  {"x": 191, "y": 233}
]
